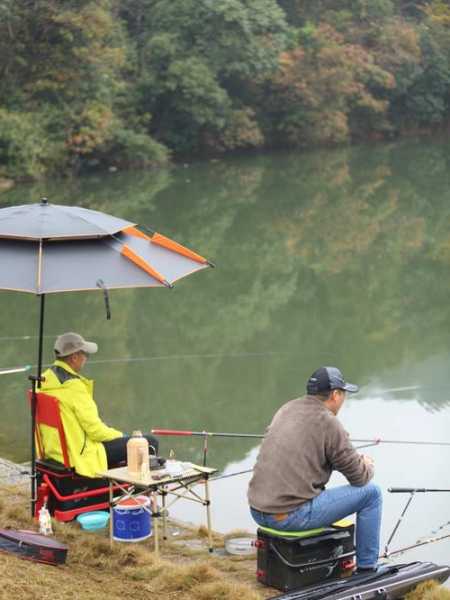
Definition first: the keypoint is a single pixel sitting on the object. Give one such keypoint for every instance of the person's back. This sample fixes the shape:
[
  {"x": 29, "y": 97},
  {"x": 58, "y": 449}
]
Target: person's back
[{"x": 304, "y": 443}]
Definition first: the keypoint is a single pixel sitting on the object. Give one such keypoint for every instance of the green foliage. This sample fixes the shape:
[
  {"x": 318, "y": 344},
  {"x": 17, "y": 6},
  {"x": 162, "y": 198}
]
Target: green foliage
[
  {"x": 367, "y": 10},
  {"x": 137, "y": 150},
  {"x": 24, "y": 149},
  {"x": 196, "y": 65},
  {"x": 132, "y": 82},
  {"x": 429, "y": 95},
  {"x": 61, "y": 67}
]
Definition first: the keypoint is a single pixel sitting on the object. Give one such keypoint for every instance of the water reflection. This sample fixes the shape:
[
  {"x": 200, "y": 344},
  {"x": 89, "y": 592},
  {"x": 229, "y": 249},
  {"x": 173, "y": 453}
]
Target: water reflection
[{"x": 336, "y": 257}]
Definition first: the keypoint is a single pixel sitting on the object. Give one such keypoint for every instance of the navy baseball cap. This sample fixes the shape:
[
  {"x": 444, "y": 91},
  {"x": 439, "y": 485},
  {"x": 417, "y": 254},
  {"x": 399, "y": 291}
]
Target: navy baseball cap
[{"x": 326, "y": 379}]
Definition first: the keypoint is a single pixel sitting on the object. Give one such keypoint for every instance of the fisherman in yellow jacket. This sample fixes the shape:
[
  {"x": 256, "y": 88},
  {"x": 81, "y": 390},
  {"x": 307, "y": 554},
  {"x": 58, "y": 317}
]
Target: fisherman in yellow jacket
[{"x": 93, "y": 446}]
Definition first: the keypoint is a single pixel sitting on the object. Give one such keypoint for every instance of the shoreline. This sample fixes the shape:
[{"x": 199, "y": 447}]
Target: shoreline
[
  {"x": 8, "y": 182},
  {"x": 13, "y": 473}
]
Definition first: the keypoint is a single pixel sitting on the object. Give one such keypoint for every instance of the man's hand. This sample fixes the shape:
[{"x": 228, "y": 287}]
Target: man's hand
[{"x": 368, "y": 460}]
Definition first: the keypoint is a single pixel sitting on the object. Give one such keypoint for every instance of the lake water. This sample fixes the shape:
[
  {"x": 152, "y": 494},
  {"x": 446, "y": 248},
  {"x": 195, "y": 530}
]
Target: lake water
[{"x": 335, "y": 257}]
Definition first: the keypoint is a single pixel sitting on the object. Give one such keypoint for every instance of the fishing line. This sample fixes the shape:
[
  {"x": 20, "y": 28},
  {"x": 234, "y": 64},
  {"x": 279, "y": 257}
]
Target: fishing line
[
  {"x": 183, "y": 356},
  {"x": 414, "y": 442},
  {"x": 137, "y": 359},
  {"x": 407, "y": 388},
  {"x": 23, "y": 337},
  {"x": 440, "y": 528},
  {"x": 251, "y": 470},
  {"x": 230, "y": 475}
]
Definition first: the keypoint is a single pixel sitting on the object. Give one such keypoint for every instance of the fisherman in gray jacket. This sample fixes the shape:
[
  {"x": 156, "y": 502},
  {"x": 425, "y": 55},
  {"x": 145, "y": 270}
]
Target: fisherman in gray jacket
[{"x": 304, "y": 443}]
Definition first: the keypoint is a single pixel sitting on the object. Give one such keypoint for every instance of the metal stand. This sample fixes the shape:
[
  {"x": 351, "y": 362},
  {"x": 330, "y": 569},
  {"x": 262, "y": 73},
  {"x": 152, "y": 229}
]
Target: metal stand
[
  {"x": 36, "y": 381},
  {"x": 163, "y": 493},
  {"x": 208, "y": 514},
  {"x": 397, "y": 525},
  {"x": 155, "y": 516}
]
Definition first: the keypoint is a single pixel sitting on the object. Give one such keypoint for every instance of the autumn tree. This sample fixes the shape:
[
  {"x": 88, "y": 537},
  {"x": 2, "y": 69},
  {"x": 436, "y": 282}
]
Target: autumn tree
[{"x": 320, "y": 84}]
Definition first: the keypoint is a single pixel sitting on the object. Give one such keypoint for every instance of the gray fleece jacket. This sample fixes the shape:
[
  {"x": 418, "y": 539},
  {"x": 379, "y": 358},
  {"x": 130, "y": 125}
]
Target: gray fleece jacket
[{"x": 304, "y": 443}]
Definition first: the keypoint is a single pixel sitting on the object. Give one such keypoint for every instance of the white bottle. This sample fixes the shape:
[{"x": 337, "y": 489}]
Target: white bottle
[
  {"x": 137, "y": 456},
  {"x": 45, "y": 521}
]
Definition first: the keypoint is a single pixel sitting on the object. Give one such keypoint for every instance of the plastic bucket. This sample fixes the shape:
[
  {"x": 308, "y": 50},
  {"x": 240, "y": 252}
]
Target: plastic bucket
[{"x": 132, "y": 520}]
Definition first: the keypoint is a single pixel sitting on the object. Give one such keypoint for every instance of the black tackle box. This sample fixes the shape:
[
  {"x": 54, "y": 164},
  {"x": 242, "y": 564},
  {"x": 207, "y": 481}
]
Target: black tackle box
[{"x": 289, "y": 563}]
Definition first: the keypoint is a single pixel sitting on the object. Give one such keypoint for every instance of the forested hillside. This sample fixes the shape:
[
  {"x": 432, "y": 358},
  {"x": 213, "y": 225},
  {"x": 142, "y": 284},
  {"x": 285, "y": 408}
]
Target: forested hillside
[{"x": 134, "y": 83}]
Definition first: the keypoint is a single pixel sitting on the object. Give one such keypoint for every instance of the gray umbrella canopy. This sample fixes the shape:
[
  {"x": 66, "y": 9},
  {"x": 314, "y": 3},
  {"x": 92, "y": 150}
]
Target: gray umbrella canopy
[
  {"x": 48, "y": 248},
  {"x": 46, "y": 221}
]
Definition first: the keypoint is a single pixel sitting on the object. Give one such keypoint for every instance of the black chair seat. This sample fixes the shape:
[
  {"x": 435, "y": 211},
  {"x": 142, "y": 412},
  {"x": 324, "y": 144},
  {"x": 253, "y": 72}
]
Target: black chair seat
[{"x": 49, "y": 464}]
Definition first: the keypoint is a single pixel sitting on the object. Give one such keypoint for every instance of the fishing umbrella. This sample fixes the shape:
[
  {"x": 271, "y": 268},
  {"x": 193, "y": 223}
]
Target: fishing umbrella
[{"x": 46, "y": 249}]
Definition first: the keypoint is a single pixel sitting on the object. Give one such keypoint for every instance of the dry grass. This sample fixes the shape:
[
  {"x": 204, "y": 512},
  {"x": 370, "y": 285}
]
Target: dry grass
[
  {"x": 95, "y": 569},
  {"x": 429, "y": 590}
]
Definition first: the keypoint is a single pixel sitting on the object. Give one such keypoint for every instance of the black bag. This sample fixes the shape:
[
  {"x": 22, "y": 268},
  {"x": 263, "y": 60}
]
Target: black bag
[{"x": 289, "y": 563}]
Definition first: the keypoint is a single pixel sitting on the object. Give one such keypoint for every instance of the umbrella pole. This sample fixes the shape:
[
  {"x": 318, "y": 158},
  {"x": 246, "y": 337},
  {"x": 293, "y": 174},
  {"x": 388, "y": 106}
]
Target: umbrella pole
[{"x": 36, "y": 382}]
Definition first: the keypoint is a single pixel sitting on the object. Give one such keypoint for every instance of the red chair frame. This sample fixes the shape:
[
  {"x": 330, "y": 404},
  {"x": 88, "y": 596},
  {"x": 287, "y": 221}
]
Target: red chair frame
[{"x": 48, "y": 413}]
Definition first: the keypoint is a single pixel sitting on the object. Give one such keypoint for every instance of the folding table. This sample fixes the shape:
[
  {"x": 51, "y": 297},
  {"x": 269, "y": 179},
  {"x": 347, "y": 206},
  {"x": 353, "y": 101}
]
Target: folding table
[{"x": 171, "y": 488}]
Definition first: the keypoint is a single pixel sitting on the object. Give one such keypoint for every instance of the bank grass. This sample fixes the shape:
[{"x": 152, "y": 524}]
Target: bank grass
[
  {"x": 95, "y": 569},
  {"x": 429, "y": 590}
]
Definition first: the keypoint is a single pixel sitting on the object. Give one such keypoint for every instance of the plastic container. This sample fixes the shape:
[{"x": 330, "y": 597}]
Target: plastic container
[
  {"x": 45, "y": 521},
  {"x": 91, "y": 521},
  {"x": 138, "y": 461},
  {"x": 243, "y": 546},
  {"x": 132, "y": 520},
  {"x": 174, "y": 468}
]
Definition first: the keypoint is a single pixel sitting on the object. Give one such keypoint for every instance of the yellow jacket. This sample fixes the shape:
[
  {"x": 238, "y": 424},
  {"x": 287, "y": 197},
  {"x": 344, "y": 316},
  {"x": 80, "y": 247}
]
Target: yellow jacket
[{"x": 84, "y": 429}]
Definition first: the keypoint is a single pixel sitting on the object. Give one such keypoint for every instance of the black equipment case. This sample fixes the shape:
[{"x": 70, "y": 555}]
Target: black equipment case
[
  {"x": 288, "y": 563},
  {"x": 33, "y": 546},
  {"x": 390, "y": 582}
]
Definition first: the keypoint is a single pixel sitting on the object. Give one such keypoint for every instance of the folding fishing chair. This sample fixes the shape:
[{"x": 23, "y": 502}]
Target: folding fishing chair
[{"x": 67, "y": 493}]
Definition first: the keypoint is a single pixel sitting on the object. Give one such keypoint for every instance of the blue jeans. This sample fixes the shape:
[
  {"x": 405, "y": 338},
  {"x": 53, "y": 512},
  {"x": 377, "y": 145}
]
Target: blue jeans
[{"x": 330, "y": 506}]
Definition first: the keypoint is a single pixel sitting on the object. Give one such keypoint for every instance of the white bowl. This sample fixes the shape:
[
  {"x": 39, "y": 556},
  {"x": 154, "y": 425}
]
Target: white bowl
[{"x": 243, "y": 546}]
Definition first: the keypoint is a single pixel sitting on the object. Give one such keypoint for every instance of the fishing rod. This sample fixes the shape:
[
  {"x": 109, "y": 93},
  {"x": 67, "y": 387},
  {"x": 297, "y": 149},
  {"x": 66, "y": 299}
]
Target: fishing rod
[
  {"x": 416, "y": 545},
  {"x": 230, "y": 475},
  {"x": 401, "y": 490},
  {"x": 370, "y": 441},
  {"x": 207, "y": 434},
  {"x": 412, "y": 492},
  {"x": 204, "y": 433},
  {"x": 15, "y": 370}
]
